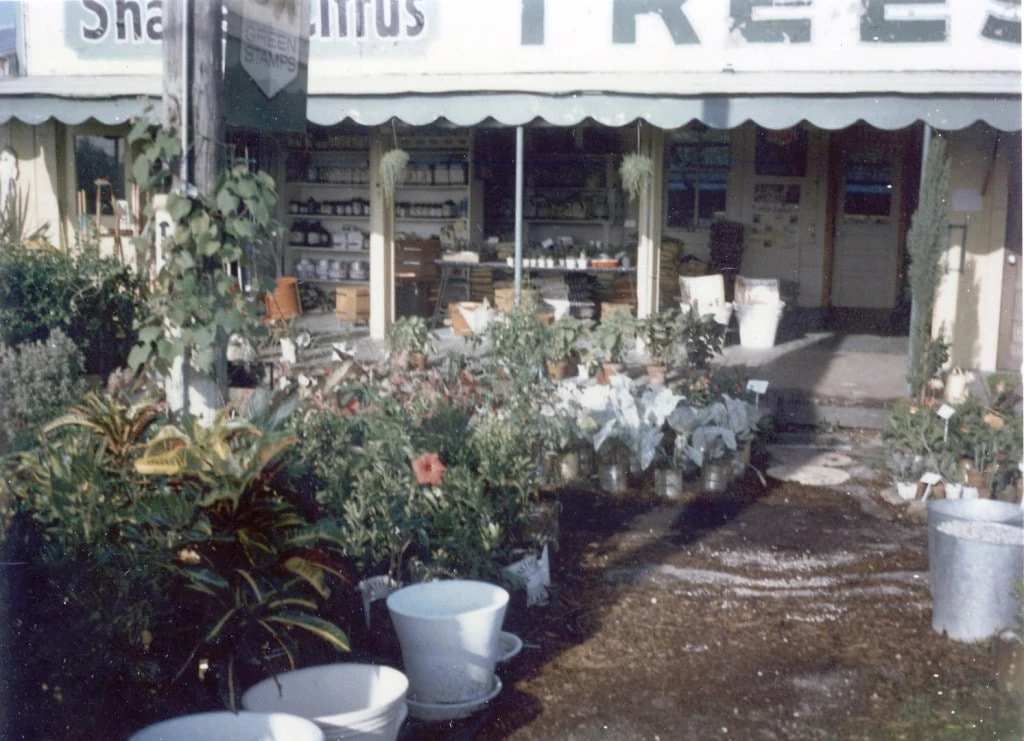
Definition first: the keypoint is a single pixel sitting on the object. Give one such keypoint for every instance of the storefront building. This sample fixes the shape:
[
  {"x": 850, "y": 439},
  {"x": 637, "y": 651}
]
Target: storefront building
[{"x": 801, "y": 124}]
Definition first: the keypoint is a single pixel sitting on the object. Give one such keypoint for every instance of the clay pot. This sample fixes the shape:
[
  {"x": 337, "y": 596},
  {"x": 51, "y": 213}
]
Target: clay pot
[{"x": 1009, "y": 655}]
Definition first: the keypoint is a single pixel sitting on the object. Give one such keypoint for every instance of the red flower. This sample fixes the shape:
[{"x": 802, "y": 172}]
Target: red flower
[{"x": 429, "y": 469}]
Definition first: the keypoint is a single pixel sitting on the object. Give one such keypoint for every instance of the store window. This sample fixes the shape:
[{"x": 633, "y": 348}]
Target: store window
[
  {"x": 867, "y": 188},
  {"x": 99, "y": 165},
  {"x": 697, "y": 170}
]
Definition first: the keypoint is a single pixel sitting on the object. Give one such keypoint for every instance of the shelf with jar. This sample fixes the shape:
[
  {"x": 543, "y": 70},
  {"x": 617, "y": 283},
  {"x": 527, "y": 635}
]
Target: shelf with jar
[{"x": 332, "y": 270}]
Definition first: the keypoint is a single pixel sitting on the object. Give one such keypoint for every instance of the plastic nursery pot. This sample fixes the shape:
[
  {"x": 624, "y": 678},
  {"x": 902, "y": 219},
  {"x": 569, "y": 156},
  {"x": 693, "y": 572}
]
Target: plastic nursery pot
[
  {"x": 227, "y": 726},
  {"x": 346, "y": 701},
  {"x": 449, "y": 635}
]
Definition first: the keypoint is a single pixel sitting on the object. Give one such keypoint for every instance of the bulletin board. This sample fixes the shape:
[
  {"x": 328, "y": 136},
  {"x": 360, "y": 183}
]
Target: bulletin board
[{"x": 775, "y": 223}]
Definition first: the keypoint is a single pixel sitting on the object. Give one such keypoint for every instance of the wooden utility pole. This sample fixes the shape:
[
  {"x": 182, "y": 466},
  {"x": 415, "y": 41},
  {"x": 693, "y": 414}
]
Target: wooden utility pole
[{"x": 193, "y": 98}]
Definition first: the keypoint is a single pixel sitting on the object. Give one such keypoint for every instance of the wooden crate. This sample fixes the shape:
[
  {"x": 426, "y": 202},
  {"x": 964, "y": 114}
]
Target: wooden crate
[
  {"x": 352, "y": 303},
  {"x": 608, "y": 308},
  {"x": 415, "y": 259}
]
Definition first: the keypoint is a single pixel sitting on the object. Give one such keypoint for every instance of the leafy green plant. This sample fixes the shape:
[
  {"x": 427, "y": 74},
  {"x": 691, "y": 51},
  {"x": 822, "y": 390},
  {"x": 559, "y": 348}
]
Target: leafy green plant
[
  {"x": 258, "y": 569},
  {"x": 614, "y": 334},
  {"x": 661, "y": 332},
  {"x": 516, "y": 348},
  {"x": 562, "y": 338},
  {"x": 703, "y": 338},
  {"x": 37, "y": 381},
  {"x": 636, "y": 172},
  {"x": 411, "y": 334},
  {"x": 91, "y": 299},
  {"x": 197, "y": 303}
]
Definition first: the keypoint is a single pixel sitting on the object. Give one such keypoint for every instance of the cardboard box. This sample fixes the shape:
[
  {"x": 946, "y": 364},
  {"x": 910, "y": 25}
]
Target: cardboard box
[{"x": 352, "y": 303}]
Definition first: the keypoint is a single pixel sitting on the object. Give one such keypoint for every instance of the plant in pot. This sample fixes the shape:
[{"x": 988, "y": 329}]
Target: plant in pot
[
  {"x": 712, "y": 442},
  {"x": 561, "y": 340},
  {"x": 661, "y": 332},
  {"x": 703, "y": 338},
  {"x": 625, "y": 423},
  {"x": 913, "y": 437},
  {"x": 613, "y": 337},
  {"x": 410, "y": 340}
]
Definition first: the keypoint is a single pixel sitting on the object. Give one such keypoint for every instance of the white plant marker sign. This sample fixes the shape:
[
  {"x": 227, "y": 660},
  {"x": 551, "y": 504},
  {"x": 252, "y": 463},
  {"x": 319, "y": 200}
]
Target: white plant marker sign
[
  {"x": 270, "y": 43},
  {"x": 758, "y": 388},
  {"x": 945, "y": 412}
]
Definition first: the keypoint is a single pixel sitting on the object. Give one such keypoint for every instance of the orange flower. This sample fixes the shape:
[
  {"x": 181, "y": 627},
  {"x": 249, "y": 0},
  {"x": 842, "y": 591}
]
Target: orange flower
[{"x": 429, "y": 469}]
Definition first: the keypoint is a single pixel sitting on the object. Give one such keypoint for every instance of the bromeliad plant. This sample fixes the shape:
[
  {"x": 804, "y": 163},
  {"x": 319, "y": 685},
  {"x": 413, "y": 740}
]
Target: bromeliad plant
[{"x": 258, "y": 571}]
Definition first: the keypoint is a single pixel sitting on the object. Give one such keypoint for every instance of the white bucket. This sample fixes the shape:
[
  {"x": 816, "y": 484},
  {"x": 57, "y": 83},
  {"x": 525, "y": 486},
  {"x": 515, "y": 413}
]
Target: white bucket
[
  {"x": 227, "y": 726},
  {"x": 449, "y": 632},
  {"x": 758, "y": 323},
  {"x": 347, "y": 701}
]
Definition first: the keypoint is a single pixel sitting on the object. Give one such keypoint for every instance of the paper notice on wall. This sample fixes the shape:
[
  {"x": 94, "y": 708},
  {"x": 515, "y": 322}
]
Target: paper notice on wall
[{"x": 776, "y": 217}]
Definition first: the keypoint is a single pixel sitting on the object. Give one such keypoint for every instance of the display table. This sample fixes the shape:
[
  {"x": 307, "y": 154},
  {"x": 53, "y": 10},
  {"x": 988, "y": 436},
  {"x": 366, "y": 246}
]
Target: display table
[{"x": 447, "y": 267}]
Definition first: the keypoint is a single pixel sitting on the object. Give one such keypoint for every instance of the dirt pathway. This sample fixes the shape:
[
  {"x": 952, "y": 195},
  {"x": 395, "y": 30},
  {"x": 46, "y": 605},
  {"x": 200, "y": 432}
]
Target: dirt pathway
[{"x": 792, "y": 612}]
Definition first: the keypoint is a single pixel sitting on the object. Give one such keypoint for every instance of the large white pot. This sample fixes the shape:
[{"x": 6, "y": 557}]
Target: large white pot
[
  {"x": 759, "y": 323},
  {"x": 449, "y": 632},
  {"x": 227, "y": 726},
  {"x": 347, "y": 701}
]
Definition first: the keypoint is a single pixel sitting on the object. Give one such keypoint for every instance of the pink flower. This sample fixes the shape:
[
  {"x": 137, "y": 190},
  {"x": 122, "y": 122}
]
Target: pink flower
[{"x": 429, "y": 469}]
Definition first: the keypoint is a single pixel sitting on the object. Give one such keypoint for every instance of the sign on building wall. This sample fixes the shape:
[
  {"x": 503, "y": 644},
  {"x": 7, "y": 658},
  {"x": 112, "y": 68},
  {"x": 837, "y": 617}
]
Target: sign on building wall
[
  {"x": 266, "y": 65},
  {"x": 450, "y": 43}
]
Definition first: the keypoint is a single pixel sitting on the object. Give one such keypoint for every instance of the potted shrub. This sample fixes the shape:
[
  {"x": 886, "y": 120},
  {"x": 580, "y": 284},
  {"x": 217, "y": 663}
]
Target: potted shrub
[
  {"x": 715, "y": 435},
  {"x": 703, "y": 338},
  {"x": 661, "y": 332},
  {"x": 561, "y": 340},
  {"x": 613, "y": 336},
  {"x": 913, "y": 437},
  {"x": 410, "y": 340}
]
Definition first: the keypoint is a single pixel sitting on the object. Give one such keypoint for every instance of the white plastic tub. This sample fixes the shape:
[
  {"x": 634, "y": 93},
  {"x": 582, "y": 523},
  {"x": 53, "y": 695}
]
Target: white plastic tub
[
  {"x": 347, "y": 701},
  {"x": 759, "y": 323},
  {"x": 227, "y": 726}
]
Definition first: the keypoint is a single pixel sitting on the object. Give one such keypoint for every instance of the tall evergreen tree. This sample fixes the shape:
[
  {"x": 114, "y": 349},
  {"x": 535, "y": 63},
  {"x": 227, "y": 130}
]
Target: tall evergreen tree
[{"x": 927, "y": 240}]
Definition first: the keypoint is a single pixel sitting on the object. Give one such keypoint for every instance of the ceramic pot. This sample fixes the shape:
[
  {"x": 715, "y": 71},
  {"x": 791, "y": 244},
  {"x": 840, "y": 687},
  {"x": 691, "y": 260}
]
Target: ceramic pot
[
  {"x": 284, "y": 302},
  {"x": 347, "y": 701},
  {"x": 557, "y": 369},
  {"x": 449, "y": 635}
]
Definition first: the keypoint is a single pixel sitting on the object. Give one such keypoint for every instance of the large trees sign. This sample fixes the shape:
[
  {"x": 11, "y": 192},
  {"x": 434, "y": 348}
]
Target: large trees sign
[{"x": 267, "y": 64}]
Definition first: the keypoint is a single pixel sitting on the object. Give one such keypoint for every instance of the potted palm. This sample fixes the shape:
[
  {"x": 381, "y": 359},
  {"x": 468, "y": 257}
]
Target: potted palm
[
  {"x": 661, "y": 332},
  {"x": 612, "y": 338},
  {"x": 410, "y": 340}
]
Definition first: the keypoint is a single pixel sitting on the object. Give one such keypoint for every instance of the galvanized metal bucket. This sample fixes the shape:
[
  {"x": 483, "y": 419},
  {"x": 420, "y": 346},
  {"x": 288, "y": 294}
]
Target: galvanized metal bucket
[
  {"x": 976, "y": 569},
  {"x": 977, "y": 510}
]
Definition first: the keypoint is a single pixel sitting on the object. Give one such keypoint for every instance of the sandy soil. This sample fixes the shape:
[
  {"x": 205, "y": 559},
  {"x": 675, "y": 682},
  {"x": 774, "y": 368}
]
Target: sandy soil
[{"x": 779, "y": 612}]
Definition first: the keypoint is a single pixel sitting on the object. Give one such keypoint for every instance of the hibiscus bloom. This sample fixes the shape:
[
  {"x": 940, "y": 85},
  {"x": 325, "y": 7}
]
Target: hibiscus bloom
[{"x": 429, "y": 469}]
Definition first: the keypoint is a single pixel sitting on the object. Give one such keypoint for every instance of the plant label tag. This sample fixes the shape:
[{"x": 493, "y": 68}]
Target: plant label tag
[
  {"x": 931, "y": 479},
  {"x": 758, "y": 387},
  {"x": 945, "y": 411}
]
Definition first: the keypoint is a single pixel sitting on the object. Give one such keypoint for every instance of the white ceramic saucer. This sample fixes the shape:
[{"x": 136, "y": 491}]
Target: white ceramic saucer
[
  {"x": 510, "y": 645},
  {"x": 451, "y": 710}
]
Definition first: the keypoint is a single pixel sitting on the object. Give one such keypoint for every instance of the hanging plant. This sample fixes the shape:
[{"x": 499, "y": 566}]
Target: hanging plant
[
  {"x": 392, "y": 171},
  {"x": 636, "y": 171}
]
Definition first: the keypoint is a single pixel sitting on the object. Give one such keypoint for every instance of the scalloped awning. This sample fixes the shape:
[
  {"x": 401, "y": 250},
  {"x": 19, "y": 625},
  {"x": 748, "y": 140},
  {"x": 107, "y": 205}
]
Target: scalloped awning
[{"x": 661, "y": 102}]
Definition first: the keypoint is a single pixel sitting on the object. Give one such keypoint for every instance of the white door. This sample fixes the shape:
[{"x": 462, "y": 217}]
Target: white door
[{"x": 869, "y": 223}]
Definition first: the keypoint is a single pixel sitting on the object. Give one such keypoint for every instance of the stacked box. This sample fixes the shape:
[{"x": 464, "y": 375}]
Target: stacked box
[
  {"x": 352, "y": 303},
  {"x": 416, "y": 259}
]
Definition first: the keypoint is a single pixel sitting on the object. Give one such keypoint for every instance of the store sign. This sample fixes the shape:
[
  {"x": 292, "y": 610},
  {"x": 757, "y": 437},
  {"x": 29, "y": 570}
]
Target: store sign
[
  {"x": 266, "y": 64},
  {"x": 271, "y": 38},
  {"x": 470, "y": 38}
]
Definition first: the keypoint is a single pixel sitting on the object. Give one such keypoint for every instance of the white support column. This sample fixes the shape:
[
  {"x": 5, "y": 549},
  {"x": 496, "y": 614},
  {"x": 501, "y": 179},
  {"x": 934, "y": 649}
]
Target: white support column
[
  {"x": 382, "y": 243},
  {"x": 649, "y": 210}
]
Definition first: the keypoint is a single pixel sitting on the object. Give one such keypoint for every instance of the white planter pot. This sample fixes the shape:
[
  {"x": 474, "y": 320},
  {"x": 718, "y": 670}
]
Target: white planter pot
[
  {"x": 227, "y": 726},
  {"x": 449, "y": 635},
  {"x": 906, "y": 490},
  {"x": 347, "y": 701}
]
